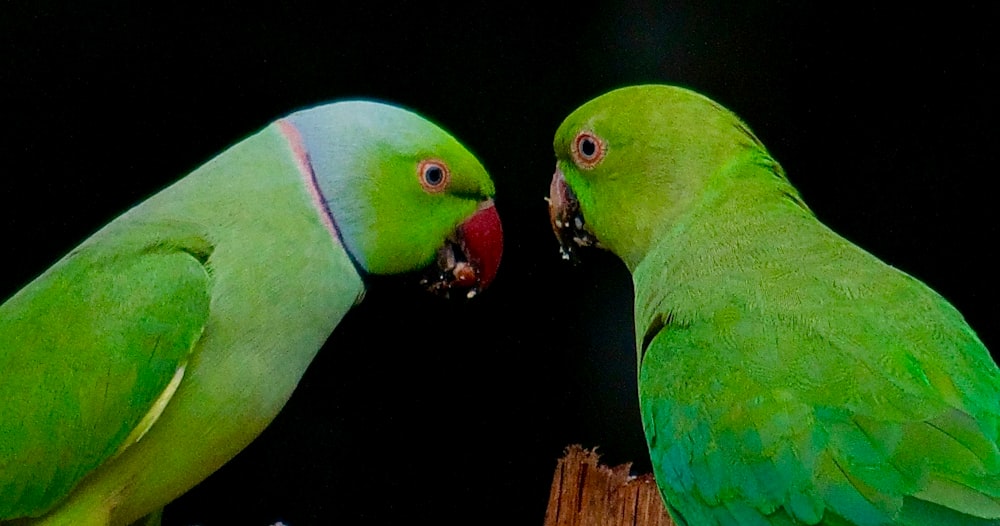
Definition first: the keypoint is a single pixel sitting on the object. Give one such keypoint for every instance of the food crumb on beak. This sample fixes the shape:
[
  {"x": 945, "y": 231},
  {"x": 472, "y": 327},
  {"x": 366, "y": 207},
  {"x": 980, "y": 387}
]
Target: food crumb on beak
[
  {"x": 467, "y": 262},
  {"x": 567, "y": 220}
]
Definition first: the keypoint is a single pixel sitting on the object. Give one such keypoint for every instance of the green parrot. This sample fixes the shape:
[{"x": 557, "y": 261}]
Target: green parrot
[
  {"x": 785, "y": 375},
  {"x": 155, "y": 351}
]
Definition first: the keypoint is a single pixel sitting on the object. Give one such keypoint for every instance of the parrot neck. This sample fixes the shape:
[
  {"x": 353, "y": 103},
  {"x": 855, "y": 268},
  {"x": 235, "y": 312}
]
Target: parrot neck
[
  {"x": 309, "y": 176},
  {"x": 329, "y": 182},
  {"x": 747, "y": 183},
  {"x": 741, "y": 219}
]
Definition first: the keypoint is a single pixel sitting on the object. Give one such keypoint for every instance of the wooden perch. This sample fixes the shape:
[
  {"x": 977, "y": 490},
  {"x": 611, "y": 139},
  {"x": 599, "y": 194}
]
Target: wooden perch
[{"x": 585, "y": 493}]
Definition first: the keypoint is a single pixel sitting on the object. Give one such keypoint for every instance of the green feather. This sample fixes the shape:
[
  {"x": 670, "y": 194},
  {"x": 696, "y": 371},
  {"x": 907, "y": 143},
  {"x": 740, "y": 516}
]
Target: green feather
[
  {"x": 75, "y": 322},
  {"x": 165, "y": 343},
  {"x": 786, "y": 376}
]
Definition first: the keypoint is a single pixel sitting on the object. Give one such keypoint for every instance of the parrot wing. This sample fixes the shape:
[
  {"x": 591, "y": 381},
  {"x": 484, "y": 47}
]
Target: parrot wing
[
  {"x": 883, "y": 450},
  {"x": 90, "y": 354}
]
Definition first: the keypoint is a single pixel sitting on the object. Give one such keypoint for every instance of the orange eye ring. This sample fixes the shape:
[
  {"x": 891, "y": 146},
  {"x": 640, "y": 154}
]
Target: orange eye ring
[
  {"x": 588, "y": 149},
  {"x": 433, "y": 175}
]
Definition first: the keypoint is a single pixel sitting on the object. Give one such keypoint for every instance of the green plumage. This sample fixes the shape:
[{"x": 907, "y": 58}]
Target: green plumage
[
  {"x": 786, "y": 376},
  {"x": 161, "y": 346}
]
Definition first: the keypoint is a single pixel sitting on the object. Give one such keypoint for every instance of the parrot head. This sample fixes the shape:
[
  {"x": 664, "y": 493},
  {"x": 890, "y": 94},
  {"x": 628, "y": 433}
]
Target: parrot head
[
  {"x": 403, "y": 194},
  {"x": 631, "y": 161}
]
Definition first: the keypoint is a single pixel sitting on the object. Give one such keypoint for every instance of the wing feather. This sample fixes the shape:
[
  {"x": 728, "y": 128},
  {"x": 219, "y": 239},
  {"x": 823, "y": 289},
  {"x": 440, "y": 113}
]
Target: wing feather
[{"x": 86, "y": 351}]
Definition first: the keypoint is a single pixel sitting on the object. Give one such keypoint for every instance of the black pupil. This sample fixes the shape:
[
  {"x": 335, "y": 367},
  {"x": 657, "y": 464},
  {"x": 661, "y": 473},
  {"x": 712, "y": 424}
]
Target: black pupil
[
  {"x": 433, "y": 175},
  {"x": 587, "y": 147}
]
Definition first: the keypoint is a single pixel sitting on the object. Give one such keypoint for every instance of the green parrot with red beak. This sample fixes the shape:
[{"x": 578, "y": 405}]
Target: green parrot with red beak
[
  {"x": 155, "y": 351},
  {"x": 785, "y": 375}
]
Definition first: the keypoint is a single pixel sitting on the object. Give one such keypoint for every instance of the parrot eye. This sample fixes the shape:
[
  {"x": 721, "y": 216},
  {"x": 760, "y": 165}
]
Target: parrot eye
[
  {"x": 588, "y": 149},
  {"x": 433, "y": 175}
]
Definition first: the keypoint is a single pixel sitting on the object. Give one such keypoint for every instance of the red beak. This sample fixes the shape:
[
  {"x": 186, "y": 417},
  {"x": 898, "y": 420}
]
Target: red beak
[
  {"x": 468, "y": 261},
  {"x": 482, "y": 240}
]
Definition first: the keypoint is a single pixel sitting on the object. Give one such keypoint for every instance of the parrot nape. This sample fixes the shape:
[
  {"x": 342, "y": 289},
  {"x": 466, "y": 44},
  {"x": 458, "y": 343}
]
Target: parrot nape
[
  {"x": 785, "y": 375},
  {"x": 160, "y": 347}
]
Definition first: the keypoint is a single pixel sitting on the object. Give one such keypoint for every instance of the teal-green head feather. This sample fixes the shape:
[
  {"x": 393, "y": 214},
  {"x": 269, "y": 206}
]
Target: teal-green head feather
[{"x": 370, "y": 162}]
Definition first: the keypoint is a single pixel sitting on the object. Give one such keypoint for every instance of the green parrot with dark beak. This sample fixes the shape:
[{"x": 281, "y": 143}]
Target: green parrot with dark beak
[{"x": 786, "y": 376}]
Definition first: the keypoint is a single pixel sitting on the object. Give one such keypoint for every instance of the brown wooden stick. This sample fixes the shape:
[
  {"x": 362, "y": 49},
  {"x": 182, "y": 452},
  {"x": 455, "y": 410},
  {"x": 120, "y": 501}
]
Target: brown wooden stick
[{"x": 586, "y": 493}]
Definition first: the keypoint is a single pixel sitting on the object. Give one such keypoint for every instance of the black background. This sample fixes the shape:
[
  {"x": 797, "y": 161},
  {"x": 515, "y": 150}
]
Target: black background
[{"x": 418, "y": 408}]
